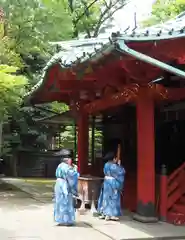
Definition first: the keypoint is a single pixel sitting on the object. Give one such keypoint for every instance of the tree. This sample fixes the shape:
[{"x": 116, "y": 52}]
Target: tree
[
  {"x": 27, "y": 27},
  {"x": 7, "y": 54},
  {"x": 165, "y": 10},
  {"x": 88, "y": 16},
  {"x": 12, "y": 87},
  {"x": 32, "y": 24}
]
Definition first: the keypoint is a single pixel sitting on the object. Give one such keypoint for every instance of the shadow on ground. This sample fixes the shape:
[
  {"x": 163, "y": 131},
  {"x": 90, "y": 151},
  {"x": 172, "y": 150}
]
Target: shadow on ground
[
  {"x": 33, "y": 198},
  {"x": 160, "y": 230},
  {"x": 11, "y": 197},
  {"x": 127, "y": 228},
  {"x": 39, "y": 189}
]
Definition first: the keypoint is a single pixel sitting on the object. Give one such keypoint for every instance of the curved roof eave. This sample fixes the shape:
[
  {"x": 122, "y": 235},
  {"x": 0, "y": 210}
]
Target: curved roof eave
[
  {"x": 79, "y": 51},
  {"x": 96, "y": 53}
]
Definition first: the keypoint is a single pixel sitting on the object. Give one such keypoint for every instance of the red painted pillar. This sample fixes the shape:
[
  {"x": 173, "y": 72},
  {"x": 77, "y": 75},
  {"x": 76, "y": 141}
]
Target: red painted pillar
[
  {"x": 83, "y": 142},
  {"x": 145, "y": 159}
]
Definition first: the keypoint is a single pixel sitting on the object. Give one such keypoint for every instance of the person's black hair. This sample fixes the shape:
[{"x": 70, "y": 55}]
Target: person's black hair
[
  {"x": 109, "y": 156},
  {"x": 64, "y": 153},
  {"x": 113, "y": 144}
]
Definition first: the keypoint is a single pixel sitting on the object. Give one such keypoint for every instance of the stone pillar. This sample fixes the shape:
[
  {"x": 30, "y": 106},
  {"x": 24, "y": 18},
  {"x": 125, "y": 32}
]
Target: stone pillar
[{"x": 145, "y": 160}]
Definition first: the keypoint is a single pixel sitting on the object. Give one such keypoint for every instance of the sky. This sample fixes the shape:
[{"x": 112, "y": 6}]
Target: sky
[{"x": 125, "y": 17}]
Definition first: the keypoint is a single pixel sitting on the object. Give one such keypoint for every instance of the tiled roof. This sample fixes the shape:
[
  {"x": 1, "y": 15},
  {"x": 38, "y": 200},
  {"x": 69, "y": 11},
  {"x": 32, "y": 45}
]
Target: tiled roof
[
  {"x": 83, "y": 48},
  {"x": 170, "y": 29},
  {"x": 78, "y": 51}
]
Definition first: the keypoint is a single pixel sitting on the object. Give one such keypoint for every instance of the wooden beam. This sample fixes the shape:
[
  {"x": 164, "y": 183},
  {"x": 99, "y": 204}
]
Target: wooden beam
[
  {"x": 130, "y": 93},
  {"x": 71, "y": 85},
  {"x": 176, "y": 94},
  {"x": 158, "y": 92},
  {"x": 127, "y": 94}
]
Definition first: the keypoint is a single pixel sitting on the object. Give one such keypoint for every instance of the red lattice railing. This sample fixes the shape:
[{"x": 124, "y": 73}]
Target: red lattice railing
[
  {"x": 175, "y": 186},
  {"x": 172, "y": 189}
]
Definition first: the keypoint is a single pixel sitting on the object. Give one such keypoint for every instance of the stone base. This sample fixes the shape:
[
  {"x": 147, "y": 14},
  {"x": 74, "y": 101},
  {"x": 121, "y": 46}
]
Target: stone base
[
  {"x": 144, "y": 219},
  {"x": 163, "y": 219},
  {"x": 95, "y": 214}
]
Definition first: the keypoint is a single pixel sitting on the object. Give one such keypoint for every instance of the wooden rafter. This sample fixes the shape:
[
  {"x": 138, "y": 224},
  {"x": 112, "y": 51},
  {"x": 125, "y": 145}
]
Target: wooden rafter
[
  {"x": 127, "y": 94},
  {"x": 176, "y": 94}
]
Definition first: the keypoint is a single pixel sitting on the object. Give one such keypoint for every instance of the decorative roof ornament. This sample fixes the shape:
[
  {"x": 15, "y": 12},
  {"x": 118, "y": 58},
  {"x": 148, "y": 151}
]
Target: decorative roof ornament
[
  {"x": 146, "y": 34},
  {"x": 125, "y": 31},
  {"x": 159, "y": 33},
  {"x": 133, "y": 33},
  {"x": 171, "y": 31}
]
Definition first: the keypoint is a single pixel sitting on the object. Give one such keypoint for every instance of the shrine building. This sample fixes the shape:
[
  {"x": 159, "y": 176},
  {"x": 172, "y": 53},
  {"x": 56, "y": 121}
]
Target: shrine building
[{"x": 134, "y": 81}]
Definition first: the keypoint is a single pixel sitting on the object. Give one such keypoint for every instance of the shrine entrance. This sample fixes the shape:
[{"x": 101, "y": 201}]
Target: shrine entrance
[
  {"x": 120, "y": 129},
  {"x": 170, "y": 132}
]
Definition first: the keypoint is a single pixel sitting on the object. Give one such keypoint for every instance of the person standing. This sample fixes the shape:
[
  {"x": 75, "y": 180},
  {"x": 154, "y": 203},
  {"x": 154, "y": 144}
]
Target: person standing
[
  {"x": 65, "y": 189},
  {"x": 109, "y": 202}
]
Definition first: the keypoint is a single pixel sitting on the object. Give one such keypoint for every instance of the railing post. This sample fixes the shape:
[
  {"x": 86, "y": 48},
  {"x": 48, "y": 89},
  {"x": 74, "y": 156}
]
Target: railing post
[{"x": 163, "y": 194}]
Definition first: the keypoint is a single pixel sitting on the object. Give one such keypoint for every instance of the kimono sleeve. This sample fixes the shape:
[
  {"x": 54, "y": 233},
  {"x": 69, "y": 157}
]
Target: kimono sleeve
[
  {"x": 121, "y": 174},
  {"x": 58, "y": 172},
  {"x": 72, "y": 178}
]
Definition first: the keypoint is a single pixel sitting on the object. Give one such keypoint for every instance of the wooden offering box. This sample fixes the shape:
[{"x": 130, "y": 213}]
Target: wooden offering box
[{"x": 89, "y": 188}]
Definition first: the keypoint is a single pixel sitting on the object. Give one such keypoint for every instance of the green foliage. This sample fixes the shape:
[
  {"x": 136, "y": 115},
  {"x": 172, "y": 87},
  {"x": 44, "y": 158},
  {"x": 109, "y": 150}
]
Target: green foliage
[
  {"x": 32, "y": 24},
  {"x": 97, "y": 141},
  {"x": 25, "y": 33},
  {"x": 88, "y": 16},
  {"x": 8, "y": 55},
  {"x": 67, "y": 139},
  {"x": 165, "y": 10},
  {"x": 59, "y": 107},
  {"x": 12, "y": 87}
]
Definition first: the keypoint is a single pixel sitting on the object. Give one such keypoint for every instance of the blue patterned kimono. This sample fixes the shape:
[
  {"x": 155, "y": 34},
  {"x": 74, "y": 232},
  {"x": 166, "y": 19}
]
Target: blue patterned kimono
[
  {"x": 65, "y": 187},
  {"x": 109, "y": 202}
]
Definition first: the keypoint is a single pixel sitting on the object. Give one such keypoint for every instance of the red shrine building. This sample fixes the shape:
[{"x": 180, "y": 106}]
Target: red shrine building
[{"x": 136, "y": 82}]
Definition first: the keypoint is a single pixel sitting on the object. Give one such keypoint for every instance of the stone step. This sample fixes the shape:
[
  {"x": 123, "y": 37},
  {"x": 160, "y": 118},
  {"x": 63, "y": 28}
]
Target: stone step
[
  {"x": 176, "y": 218},
  {"x": 179, "y": 208}
]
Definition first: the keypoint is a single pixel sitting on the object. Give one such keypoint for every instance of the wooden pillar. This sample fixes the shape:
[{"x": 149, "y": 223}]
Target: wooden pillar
[
  {"x": 93, "y": 140},
  {"x": 83, "y": 142},
  {"x": 75, "y": 142},
  {"x": 145, "y": 160}
]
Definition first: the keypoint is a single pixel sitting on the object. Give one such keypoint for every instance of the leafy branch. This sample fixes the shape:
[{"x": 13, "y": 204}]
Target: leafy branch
[{"x": 89, "y": 18}]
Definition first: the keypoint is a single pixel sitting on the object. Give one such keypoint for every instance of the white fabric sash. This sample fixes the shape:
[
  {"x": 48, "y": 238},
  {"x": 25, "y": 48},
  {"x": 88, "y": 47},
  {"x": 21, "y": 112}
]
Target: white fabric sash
[{"x": 109, "y": 177}]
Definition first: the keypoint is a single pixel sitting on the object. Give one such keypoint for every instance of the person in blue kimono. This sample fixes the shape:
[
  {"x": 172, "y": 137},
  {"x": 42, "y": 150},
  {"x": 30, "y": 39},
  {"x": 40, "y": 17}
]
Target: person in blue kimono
[
  {"x": 65, "y": 190},
  {"x": 109, "y": 202}
]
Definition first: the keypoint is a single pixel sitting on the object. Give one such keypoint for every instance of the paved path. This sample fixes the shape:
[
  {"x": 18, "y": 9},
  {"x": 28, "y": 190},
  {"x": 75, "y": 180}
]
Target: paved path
[
  {"x": 39, "y": 189},
  {"x": 24, "y": 218}
]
